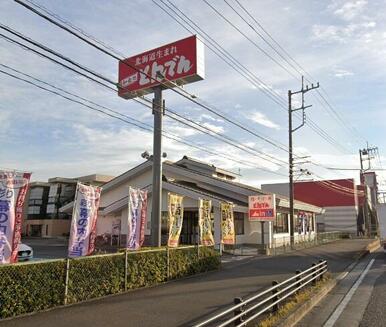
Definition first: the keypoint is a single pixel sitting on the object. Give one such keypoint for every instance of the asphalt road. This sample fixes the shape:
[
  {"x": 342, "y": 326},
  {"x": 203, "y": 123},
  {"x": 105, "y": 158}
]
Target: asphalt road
[
  {"x": 183, "y": 302},
  {"x": 47, "y": 248},
  {"x": 375, "y": 314},
  {"x": 359, "y": 299}
]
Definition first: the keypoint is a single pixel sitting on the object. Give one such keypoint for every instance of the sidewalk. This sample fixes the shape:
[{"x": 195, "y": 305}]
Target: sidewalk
[{"x": 183, "y": 302}]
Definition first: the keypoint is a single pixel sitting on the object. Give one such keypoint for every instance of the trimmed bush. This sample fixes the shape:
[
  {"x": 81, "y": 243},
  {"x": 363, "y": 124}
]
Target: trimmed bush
[{"x": 31, "y": 287}]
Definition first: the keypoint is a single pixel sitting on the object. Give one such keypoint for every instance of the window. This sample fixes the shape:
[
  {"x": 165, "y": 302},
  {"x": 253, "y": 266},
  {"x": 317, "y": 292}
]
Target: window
[
  {"x": 281, "y": 223},
  {"x": 53, "y": 190},
  {"x": 35, "y": 202},
  {"x": 33, "y": 210},
  {"x": 36, "y": 193},
  {"x": 239, "y": 223},
  {"x": 50, "y": 208}
]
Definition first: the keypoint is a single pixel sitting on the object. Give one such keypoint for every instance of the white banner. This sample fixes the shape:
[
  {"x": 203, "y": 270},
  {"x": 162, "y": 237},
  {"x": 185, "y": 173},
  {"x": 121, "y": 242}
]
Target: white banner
[
  {"x": 13, "y": 188},
  {"x": 136, "y": 218},
  {"x": 83, "y": 224}
]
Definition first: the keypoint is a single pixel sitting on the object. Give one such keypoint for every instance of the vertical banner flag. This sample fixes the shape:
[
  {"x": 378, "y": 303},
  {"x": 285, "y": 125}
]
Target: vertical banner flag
[
  {"x": 176, "y": 216},
  {"x": 227, "y": 223},
  {"x": 84, "y": 218},
  {"x": 13, "y": 188},
  {"x": 136, "y": 218},
  {"x": 205, "y": 222}
]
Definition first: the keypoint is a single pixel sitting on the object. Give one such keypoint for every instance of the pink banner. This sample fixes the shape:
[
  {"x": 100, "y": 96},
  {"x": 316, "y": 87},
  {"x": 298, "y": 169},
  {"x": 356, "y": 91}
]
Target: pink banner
[
  {"x": 84, "y": 218},
  {"x": 13, "y": 188},
  {"x": 136, "y": 218}
]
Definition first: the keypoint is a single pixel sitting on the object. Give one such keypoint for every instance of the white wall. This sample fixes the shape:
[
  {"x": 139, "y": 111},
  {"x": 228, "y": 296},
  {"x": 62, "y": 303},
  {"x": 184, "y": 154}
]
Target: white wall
[
  {"x": 340, "y": 219},
  {"x": 381, "y": 211}
]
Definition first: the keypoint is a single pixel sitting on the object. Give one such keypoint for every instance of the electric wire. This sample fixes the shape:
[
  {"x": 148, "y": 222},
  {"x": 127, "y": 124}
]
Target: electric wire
[
  {"x": 261, "y": 153},
  {"x": 137, "y": 124}
]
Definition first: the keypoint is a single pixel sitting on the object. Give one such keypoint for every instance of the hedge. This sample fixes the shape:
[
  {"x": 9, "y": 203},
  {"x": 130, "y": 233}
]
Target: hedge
[{"x": 32, "y": 287}]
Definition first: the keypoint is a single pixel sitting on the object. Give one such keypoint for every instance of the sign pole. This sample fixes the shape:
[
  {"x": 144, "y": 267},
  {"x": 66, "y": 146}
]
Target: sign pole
[
  {"x": 262, "y": 234},
  {"x": 158, "y": 112}
]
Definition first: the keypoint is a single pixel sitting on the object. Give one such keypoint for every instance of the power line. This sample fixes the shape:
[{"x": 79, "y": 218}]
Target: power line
[
  {"x": 112, "y": 89},
  {"x": 325, "y": 103},
  {"x": 137, "y": 124},
  {"x": 225, "y": 53},
  {"x": 249, "y": 39},
  {"x": 189, "y": 96},
  {"x": 118, "y": 113}
]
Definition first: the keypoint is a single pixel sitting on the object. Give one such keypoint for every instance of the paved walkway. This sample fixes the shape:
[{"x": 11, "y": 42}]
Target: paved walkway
[{"x": 183, "y": 302}]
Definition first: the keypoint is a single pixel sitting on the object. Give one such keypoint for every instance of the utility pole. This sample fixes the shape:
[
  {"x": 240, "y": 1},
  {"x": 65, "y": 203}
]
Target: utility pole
[
  {"x": 158, "y": 112},
  {"x": 366, "y": 154},
  {"x": 291, "y": 130}
]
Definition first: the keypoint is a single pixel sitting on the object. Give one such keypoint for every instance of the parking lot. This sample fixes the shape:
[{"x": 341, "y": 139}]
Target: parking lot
[{"x": 47, "y": 248}]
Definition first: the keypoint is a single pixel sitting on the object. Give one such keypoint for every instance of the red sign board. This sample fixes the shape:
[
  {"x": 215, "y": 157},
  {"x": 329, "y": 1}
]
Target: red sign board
[
  {"x": 262, "y": 207},
  {"x": 180, "y": 62}
]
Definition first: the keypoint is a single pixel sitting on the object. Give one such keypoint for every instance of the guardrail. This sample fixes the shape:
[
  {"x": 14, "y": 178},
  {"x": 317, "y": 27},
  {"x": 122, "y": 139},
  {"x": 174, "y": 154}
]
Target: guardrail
[{"x": 246, "y": 310}]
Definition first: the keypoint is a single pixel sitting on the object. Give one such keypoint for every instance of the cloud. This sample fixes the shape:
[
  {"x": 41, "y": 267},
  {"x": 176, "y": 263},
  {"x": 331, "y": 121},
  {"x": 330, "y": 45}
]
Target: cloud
[
  {"x": 216, "y": 128},
  {"x": 340, "y": 73},
  {"x": 261, "y": 119},
  {"x": 350, "y": 9}
]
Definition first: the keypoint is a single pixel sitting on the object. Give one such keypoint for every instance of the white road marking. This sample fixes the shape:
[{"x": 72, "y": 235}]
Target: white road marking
[
  {"x": 338, "y": 311},
  {"x": 343, "y": 275}
]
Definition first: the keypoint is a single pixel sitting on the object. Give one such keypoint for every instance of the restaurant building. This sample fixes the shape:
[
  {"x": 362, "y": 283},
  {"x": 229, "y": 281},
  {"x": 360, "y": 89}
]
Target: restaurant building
[{"x": 196, "y": 180}]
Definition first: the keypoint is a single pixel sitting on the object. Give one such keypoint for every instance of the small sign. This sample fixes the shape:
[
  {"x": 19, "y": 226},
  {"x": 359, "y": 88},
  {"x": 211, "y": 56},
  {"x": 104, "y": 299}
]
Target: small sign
[
  {"x": 177, "y": 63},
  {"x": 262, "y": 207}
]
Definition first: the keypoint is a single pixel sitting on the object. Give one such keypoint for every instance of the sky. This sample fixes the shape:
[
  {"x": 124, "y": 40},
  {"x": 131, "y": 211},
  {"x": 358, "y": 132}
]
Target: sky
[{"x": 340, "y": 44}]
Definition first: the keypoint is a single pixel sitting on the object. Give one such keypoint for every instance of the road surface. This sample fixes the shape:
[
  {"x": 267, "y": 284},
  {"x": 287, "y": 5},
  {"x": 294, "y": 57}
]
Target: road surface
[
  {"x": 189, "y": 300},
  {"x": 359, "y": 299}
]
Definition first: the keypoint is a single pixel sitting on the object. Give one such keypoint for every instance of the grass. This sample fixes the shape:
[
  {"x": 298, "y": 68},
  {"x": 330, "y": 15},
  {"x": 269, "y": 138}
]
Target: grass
[{"x": 293, "y": 303}]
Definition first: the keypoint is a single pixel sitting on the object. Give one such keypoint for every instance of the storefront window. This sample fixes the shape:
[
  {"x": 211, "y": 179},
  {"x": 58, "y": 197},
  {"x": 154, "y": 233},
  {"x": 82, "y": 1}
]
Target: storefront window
[
  {"x": 239, "y": 223},
  {"x": 281, "y": 223}
]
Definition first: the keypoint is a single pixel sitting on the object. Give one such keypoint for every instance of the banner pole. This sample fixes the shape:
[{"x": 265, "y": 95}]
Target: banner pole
[
  {"x": 126, "y": 266},
  {"x": 167, "y": 262},
  {"x": 66, "y": 281}
]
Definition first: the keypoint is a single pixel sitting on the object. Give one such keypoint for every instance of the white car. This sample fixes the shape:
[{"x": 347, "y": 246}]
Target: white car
[{"x": 25, "y": 252}]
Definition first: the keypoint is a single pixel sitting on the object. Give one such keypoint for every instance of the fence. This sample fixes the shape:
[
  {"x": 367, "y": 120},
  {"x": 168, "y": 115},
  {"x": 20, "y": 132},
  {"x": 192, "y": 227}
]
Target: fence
[
  {"x": 35, "y": 286},
  {"x": 247, "y": 310},
  {"x": 283, "y": 244}
]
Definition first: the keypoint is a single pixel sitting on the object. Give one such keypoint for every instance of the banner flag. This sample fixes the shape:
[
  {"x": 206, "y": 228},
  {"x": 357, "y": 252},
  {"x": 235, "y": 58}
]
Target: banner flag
[
  {"x": 13, "y": 188},
  {"x": 176, "y": 216},
  {"x": 227, "y": 223},
  {"x": 205, "y": 222},
  {"x": 136, "y": 218},
  {"x": 84, "y": 218}
]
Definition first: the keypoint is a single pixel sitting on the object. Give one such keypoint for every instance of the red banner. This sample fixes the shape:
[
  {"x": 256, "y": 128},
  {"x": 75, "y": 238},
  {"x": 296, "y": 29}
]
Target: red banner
[{"x": 13, "y": 189}]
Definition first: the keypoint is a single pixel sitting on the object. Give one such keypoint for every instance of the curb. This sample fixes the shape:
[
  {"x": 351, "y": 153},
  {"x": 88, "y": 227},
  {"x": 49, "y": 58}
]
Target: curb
[{"x": 295, "y": 316}]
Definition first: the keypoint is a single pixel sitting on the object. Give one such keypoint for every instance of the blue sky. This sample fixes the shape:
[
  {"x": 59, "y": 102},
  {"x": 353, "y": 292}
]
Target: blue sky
[{"x": 340, "y": 43}]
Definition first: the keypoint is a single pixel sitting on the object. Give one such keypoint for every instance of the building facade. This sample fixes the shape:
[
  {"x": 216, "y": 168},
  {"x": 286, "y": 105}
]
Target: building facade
[
  {"x": 341, "y": 199},
  {"x": 41, "y": 214},
  {"x": 196, "y": 180}
]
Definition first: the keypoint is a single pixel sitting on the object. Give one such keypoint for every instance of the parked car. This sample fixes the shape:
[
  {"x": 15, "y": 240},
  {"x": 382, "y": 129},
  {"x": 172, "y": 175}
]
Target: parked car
[
  {"x": 25, "y": 252},
  {"x": 384, "y": 246}
]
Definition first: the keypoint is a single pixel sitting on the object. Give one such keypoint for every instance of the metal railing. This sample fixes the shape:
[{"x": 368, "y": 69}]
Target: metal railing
[
  {"x": 286, "y": 243},
  {"x": 246, "y": 310}
]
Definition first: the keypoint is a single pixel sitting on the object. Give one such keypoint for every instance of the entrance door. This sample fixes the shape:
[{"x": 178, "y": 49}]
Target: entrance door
[
  {"x": 189, "y": 231},
  {"x": 36, "y": 230}
]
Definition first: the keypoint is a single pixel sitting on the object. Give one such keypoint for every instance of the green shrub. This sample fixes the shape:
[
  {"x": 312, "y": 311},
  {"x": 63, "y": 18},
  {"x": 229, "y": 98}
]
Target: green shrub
[
  {"x": 37, "y": 286},
  {"x": 31, "y": 287}
]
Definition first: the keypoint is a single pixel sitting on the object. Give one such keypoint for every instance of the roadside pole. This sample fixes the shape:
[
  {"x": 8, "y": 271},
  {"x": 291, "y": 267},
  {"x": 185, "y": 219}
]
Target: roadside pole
[
  {"x": 262, "y": 234},
  {"x": 158, "y": 112},
  {"x": 291, "y": 130},
  {"x": 66, "y": 281}
]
